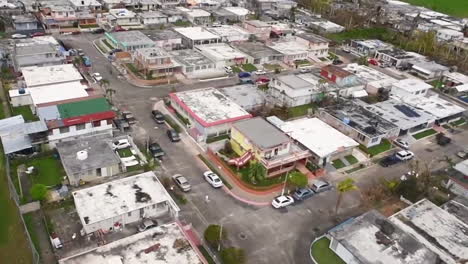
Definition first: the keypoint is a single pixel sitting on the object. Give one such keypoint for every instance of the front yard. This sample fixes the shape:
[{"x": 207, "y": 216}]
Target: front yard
[
  {"x": 323, "y": 254},
  {"x": 459, "y": 122},
  {"x": 384, "y": 145},
  {"x": 424, "y": 134},
  {"x": 248, "y": 67},
  {"x": 338, "y": 164}
]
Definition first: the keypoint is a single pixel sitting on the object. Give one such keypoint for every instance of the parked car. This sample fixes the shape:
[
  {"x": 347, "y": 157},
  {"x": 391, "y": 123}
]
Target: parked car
[
  {"x": 173, "y": 135},
  {"x": 127, "y": 115},
  {"x": 260, "y": 72},
  {"x": 389, "y": 161},
  {"x": 97, "y": 76},
  {"x": 147, "y": 224},
  {"x": 80, "y": 52},
  {"x": 305, "y": 69},
  {"x": 282, "y": 201},
  {"x": 404, "y": 155},
  {"x": 262, "y": 80},
  {"x": 37, "y": 34},
  {"x": 213, "y": 179},
  {"x": 302, "y": 194},
  {"x": 158, "y": 116},
  {"x": 182, "y": 182},
  {"x": 98, "y": 31},
  {"x": 442, "y": 139},
  {"x": 463, "y": 154},
  {"x": 319, "y": 186},
  {"x": 228, "y": 69},
  {"x": 156, "y": 151},
  {"x": 121, "y": 144},
  {"x": 401, "y": 143},
  {"x": 337, "y": 62},
  {"x": 18, "y": 36}
]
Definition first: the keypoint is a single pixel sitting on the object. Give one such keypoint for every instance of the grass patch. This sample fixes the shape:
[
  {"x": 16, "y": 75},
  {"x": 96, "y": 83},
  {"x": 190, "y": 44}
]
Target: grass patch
[
  {"x": 107, "y": 44},
  {"x": 384, "y": 145},
  {"x": 172, "y": 123},
  {"x": 49, "y": 171},
  {"x": 249, "y": 67},
  {"x": 355, "y": 169},
  {"x": 124, "y": 153},
  {"x": 351, "y": 159},
  {"x": 459, "y": 122},
  {"x": 424, "y": 134},
  {"x": 215, "y": 170},
  {"x": 338, "y": 164},
  {"x": 359, "y": 33},
  {"x": 272, "y": 67},
  {"x": 302, "y": 62},
  {"x": 300, "y": 110},
  {"x": 132, "y": 67},
  {"x": 263, "y": 87},
  {"x": 182, "y": 119},
  {"x": 323, "y": 254},
  {"x": 25, "y": 111},
  {"x": 206, "y": 254},
  {"x": 457, "y": 8},
  {"x": 29, "y": 221},
  {"x": 235, "y": 69},
  {"x": 217, "y": 138},
  {"x": 89, "y": 26},
  {"x": 181, "y": 23},
  {"x": 446, "y": 126}
]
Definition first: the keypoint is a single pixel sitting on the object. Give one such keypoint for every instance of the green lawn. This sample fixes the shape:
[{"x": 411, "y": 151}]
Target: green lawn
[
  {"x": 49, "y": 170},
  {"x": 300, "y": 110},
  {"x": 172, "y": 123},
  {"x": 25, "y": 111},
  {"x": 384, "y": 145},
  {"x": 459, "y": 122},
  {"x": 360, "y": 33},
  {"x": 249, "y": 67},
  {"x": 424, "y": 134},
  {"x": 457, "y": 8},
  {"x": 338, "y": 164},
  {"x": 29, "y": 221},
  {"x": 181, "y": 23},
  {"x": 236, "y": 69},
  {"x": 351, "y": 159},
  {"x": 323, "y": 254},
  {"x": 302, "y": 62},
  {"x": 217, "y": 138},
  {"x": 124, "y": 153},
  {"x": 272, "y": 67}
]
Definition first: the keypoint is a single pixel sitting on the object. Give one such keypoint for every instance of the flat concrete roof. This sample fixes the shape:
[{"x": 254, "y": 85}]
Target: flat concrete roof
[
  {"x": 457, "y": 77},
  {"x": 157, "y": 35},
  {"x": 221, "y": 52},
  {"x": 189, "y": 57},
  {"x": 406, "y": 118},
  {"x": 151, "y": 14},
  {"x": 111, "y": 199},
  {"x": 174, "y": 248},
  {"x": 122, "y": 13},
  {"x": 428, "y": 66},
  {"x": 152, "y": 53},
  {"x": 412, "y": 85},
  {"x": 57, "y": 92},
  {"x": 433, "y": 105},
  {"x": 326, "y": 24},
  {"x": 458, "y": 207},
  {"x": 311, "y": 37},
  {"x": 236, "y": 10},
  {"x": 209, "y": 106},
  {"x": 194, "y": 12},
  {"x": 100, "y": 154},
  {"x": 371, "y": 239},
  {"x": 228, "y": 32},
  {"x": 261, "y": 133},
  {"x": 289, "y": 47},
  {"x": 256, "y": 49},
  {"x": 442, "y": 232},
  {"x": 196, "y": 33},
  {"x": 36, "y": 76},
  {"x": 129, "y": 38},
  {"x": 28, "y": 50},
  {"x": 257, "y": 23},
  {"x": 316, "y": 135},
  {"x": 370, "y": 76},
  {"x": 245, "y": 95}
]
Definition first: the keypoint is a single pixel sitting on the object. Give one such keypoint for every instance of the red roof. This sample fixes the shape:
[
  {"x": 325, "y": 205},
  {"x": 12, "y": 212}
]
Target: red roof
[
  {"x": 337, "y": 71},
  {"x": 88, "y": 118}
]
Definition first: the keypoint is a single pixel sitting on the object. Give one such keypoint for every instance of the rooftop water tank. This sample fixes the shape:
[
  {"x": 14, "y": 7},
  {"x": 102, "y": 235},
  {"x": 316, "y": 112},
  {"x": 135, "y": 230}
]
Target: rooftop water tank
[{"x": 82, "y": 155}]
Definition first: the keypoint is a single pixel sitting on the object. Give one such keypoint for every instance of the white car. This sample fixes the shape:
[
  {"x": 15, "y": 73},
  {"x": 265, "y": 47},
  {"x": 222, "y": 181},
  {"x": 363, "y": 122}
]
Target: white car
[
  {"x": 121, "y": 144},
  {"x": 401, "y": 143},
  {"x": 213, "y": 179},
  {"x": 228, "y": 69},
  {"x": 404, "y": 155},
  {"x": 282, "y": 201},
  {"x": 97, "y": 76},
  {"x": 18, "y": 36},
  {"x": 260, "y": 72}
]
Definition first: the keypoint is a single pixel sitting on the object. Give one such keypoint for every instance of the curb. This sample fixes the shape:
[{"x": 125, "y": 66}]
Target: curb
[
  {"x": 244, "y": 200},
  {"x": 310, "y": 249}
]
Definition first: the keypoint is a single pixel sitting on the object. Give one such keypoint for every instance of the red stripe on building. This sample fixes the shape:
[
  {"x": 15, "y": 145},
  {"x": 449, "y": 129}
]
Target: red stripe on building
[{"x": 88, "y": 118}]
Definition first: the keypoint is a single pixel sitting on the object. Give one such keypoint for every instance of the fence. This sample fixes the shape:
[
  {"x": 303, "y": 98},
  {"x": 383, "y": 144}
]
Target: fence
[{"x": 14, "y": 196}]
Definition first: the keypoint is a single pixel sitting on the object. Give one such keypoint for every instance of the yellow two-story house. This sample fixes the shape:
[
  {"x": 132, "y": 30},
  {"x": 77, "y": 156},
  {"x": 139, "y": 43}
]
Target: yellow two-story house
[{"x": 271, "y": 147}]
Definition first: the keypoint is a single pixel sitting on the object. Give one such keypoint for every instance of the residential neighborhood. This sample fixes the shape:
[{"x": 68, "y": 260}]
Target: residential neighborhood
[{"x": 233, "y": 132}]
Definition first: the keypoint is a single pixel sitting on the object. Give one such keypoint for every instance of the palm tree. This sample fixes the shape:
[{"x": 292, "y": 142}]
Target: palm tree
[
  {"x": 256, "y": 172},
  {"x": 344, "y": 186}
]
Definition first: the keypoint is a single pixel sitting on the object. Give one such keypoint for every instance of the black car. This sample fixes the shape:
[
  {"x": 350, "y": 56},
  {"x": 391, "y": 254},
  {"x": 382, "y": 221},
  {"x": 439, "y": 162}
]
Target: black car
[
  {"x": 302, "y": 194},
  {"x": 98, "y": 31},
  {"x": 337, "y": 62},
  {"x": 173, "y": 135},
  {"x": 156, "y": 151},
  {"x": 389, "y": 161},
  {"x": 158, "y": 116},
  {"x": 442, "y": 139}
]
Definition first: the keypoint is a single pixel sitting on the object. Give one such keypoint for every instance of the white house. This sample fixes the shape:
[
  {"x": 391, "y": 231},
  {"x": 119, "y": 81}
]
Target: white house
[
  {"x": 373, "y": 79},
  {"x": 318, "y": 46},
  {"x": 427, "y": 70},
  {"x": 223, "y": 54},
  {"x": 229, "y": 33},
  {"x": 195, "y": 36},
  {"x": 113, "y": 205},
  {"x": 410, "y": 87},
  {"x": 195, "y": 16},
  {"x": 124, "y": 18},
  {"x": 449, "y": 35},
  {"x": 326, "y": 26},
  {"x": 153, "y": 18}
]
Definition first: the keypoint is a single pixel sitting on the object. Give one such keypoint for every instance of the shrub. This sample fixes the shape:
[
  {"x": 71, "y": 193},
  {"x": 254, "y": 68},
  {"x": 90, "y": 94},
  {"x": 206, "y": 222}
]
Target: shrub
[
  {"x": 212, "y": 235},
  {"x": 38, "y": 192},
  {"x": 297, "y": 179},
  {"x": 233, "y": 255}
]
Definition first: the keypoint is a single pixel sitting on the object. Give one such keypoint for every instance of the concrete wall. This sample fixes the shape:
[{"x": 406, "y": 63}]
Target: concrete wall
[
  {"x": 56, "y": 136},
  {"x": 92, "y": 175},
  {"x": 24, "y": 99}
]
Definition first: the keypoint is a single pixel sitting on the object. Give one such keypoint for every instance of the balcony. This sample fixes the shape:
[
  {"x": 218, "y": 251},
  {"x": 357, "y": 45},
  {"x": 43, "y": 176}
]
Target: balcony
[{"x": 294, "y": 154}]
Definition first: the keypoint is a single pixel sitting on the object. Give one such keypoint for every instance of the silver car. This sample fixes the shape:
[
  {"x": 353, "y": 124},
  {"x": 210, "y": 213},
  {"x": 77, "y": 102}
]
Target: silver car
[
  {"x": 319, "y": 186},
  {"x": 182, "y": 182}
]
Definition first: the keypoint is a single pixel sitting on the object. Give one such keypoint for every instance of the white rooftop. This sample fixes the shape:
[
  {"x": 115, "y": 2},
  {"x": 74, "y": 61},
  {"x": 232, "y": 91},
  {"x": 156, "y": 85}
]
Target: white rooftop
[
  {"x": 433, "y": 105},
  {"x": 131, "y": 249},
  {"x": 370, "y": 76},
  {"x": 290, "y": 47},
  {"x": 238, "y": 11},
  {"x": 57, "y": 92},
  {"x": 411, "y": 85},
  {"x": 221, "y": 52},
  {"x": 440, "y": 231},
  {"x": 228, "y": 32},
  {"x": 118, "y": 197},
  {"x": 37, "y": 40},
  {"x": 326, "y": 24},
  {"x": 194, "y": 12},
  {"x": 37, "y": 76},
  {"x": 441, "y": 22},
  {"x": 196, "y": 33},
  {"x": 209, "y": 106},
  {"x": 457, "y": 77},
  {"x": 122, "y": 13},
  {"x": 316, "y": 135}
]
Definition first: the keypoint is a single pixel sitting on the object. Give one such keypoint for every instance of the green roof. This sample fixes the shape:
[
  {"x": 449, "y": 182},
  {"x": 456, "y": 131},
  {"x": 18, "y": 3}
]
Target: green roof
[{"x": 83, "y": 107}]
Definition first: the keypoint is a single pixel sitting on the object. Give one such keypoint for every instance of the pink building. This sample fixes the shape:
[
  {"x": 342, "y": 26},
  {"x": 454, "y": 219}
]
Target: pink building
[{"x": 259, "y": 29}]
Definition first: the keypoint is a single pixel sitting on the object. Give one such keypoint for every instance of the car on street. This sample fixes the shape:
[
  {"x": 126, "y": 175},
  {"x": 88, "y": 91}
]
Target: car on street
[
  {"x": 228, "y": 69},
  {"x": 302, "y": 194},
  {"x": 404, "y": 155},
  {"x": 147, "y": 224},
  {"x": 156, "y": 151},
  {"x": 282, "y": 201},
  {"x": 173, "y": 135},
  {"x": 401, "y": 143},
  {"x": 442, "y": 139},
  {"x": 182, "y": 182},
  {"x": 389, "y": 161},
  {"x": 260, "y": 72},
  {"x": 305, "y": 69},
  {"x": 18, "y": 36},
  {"x": 37, "y": 34},
  {"x": 127, "y": 115},
  {"x": 262, "y": 80},
  {"x": 121, "y": 144},
  {"x": 213, "y": 179},
  {"x": 337, "y": 62},
  {"x": 158, "y": 116},
  {"x": 97, "y": 76},
  {"x": 319, "y": 186},
  {"x": 98, "y": 31}
]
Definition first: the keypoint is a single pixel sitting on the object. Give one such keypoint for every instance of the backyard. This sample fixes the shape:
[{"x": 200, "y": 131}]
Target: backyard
[
  {"x": 300, "y": 110},
  {"x": 323, "y": 254},
  {"x": 25, "y": 111},
  {"x": 49, "y": 170},
  {"x": 384, "y": 145},
  {"x": 457, "y": 8},
  {"x": 361, "y": 33}
]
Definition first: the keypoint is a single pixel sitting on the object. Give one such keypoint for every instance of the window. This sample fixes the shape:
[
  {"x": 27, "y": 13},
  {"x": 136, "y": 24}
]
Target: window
[
  {"x": 361, "y": 137},
  {"x": 64, "y": 130},
  {"x": 80, "y": 126},
  {"x": 153, "y": 206},
  {"x": 373, "y": 140},
  {"x": 97, "y": 123},
  {"x": 129, "y": 214}
]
